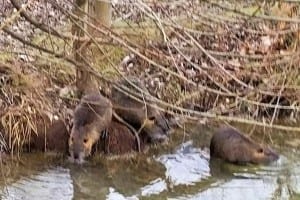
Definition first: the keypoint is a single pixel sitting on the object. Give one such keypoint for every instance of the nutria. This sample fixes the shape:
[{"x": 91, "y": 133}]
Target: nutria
[
  {"x": 137, "y": 113},
  {"x": 92, "y": 116},
  {"x": 229, "y": 144},
  {"x": 118, "y": 139},
  {"x": 47, "y": 137}
]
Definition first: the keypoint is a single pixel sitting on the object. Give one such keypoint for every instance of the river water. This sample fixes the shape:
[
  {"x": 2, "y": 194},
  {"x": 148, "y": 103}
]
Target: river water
[{"x": 180, "y": 170}]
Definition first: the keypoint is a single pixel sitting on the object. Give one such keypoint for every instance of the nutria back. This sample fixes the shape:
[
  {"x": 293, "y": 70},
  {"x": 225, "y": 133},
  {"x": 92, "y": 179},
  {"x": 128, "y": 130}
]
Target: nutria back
[
  {"x": 91, "y": 117},
  {"x": 93, "y": 109},
  {"x": 52, "y": 136},
  {"x": 137, "y": 113},
  {"x": 229, "y": 144},
  {"x": 118, "y": 140},
  {"x": 133, "y": 110}
]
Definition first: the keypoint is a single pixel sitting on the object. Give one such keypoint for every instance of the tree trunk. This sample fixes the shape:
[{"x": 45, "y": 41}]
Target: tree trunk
[
  {"x": 85, "y": 82},
  {"x": 101, "y": 12}
]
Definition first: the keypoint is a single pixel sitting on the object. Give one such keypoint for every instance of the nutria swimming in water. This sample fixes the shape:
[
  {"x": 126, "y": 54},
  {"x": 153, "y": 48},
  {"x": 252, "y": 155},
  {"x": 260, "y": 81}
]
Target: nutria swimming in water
[
  {"x": 118, "y": 139},
  {"x": 229, "y": 144},
  {"x": 92, "y": 116},
  {"x": 137, "y": 113}
]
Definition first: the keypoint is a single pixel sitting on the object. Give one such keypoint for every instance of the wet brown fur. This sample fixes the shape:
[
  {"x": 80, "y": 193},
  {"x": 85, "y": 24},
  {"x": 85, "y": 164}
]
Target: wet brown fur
[
  {"x": 230, "y": 145},
  {"x": 91, "y": 117},
  {"x": 139, "y": 114},
  {"x": 51, "y": 137},
  {"x": 118, "y": 140}
]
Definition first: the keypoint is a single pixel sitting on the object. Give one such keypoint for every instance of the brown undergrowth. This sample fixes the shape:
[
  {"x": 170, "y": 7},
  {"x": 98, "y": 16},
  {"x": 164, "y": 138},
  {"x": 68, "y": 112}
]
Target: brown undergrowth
[
  {"x": 30, "y": 103},
  {"x": 215, "y": 62}
]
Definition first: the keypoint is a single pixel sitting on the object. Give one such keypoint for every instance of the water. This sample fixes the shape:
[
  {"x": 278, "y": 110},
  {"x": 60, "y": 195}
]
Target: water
[{"x": 181, "y": 170}]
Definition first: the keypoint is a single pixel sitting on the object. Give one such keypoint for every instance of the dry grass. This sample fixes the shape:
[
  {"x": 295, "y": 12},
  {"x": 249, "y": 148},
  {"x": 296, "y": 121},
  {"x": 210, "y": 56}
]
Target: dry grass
[
  {"x": 28, "y": 102},
  {"x": 215, "y": 62}
]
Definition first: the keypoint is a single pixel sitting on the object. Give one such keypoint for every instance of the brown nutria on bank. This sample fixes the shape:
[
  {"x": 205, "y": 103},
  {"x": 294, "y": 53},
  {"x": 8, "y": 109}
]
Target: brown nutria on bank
[
  {"x": 47, "y": 137},
  {"x": 138, "y": 113},
  {"x": 230, "y": 145},
  {"x": 118, "y": 139},
  {"x": 92, "y": 116}
]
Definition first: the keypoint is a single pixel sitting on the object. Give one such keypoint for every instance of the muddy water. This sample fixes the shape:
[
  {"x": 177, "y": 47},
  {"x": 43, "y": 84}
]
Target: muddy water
[{"x": 181, "y": 170}]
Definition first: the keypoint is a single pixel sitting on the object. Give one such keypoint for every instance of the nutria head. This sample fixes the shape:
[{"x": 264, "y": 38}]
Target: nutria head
[
  {"x": 130, "y": 107},
  {"x": 91, "y": 117},
  {"x": 81, "y": 141},
  {"x": 156, "y": 129},
  {"x": 139, "y": 113},
  {"x": 263, "y": 155},
  {"x": 232, "y": 146}
]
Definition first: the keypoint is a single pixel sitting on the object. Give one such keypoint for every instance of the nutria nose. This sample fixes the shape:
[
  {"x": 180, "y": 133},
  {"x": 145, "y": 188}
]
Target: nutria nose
[{"x": 76, "y": 156}]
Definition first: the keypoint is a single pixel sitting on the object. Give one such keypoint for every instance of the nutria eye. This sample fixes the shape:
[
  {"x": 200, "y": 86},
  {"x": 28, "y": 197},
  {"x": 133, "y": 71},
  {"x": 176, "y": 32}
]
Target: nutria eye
[
  {"x": 85, "y": 140},
  {"x": 260, "y": 150},
  {"x": 72, "y": 139}
]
